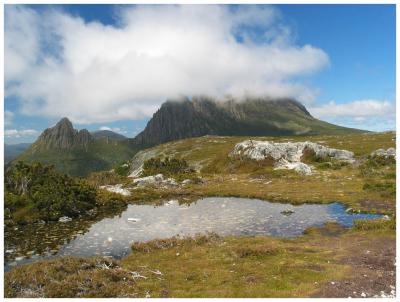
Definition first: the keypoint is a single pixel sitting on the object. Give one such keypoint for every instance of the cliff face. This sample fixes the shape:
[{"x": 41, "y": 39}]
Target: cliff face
[
  {"x": 175, "y": 120},
  {"x": 178, "y": 119},
  {"x": 63, "y": 136}
]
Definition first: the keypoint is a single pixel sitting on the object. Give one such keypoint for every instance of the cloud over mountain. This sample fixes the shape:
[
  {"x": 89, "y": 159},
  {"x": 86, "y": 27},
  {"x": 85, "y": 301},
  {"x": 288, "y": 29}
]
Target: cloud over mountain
[{"x": 59, "y": 65}]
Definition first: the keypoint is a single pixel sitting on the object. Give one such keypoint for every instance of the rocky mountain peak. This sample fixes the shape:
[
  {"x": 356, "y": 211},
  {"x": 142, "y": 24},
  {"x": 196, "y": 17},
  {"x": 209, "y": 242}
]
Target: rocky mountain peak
[{"x": 63, "y": 136}]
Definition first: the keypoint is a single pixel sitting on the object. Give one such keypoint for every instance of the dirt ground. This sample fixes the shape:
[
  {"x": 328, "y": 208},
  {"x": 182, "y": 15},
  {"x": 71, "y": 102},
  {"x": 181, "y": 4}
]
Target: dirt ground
[{"x": 373, "y": 270}]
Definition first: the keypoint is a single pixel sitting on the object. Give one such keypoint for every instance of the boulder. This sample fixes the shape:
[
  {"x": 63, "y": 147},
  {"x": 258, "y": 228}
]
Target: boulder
[
  {"x": 350, "y": 210},
  {"x": 391, "y": 152},
  {"x": 287, "y": 212},
  {"x": 65, "y": 219},
  {"x": 116, "y": 189},
  {"x": 186, "y": 182},
  {"x": 288, "y": 155},
  {"x": 133, "y": 219},
  {"x": 155, "y": 180},
  {"x": 297, "y": 166},
  {"x": 291, "y": 151},
  {"x": 148, "y": 180}
]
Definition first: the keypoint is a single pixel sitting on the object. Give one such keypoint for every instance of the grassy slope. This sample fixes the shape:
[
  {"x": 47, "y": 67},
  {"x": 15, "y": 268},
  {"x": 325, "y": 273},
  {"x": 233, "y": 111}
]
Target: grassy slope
[
  {"x": 226, "y": 177},
  {"x": 284, "y": 118}
]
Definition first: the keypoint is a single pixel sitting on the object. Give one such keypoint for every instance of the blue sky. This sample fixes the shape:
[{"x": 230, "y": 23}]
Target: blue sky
[{"x": 107, "y": 66}]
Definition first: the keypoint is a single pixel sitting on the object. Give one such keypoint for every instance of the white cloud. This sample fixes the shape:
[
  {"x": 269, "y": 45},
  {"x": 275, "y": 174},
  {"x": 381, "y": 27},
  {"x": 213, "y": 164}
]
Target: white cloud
[
  {"x": 8, "y": 117},
  {"x": 14, "y": 133},
  {"x": 366, "y": 114},
  {"x": 105, "y": 128},
  {"x": 114, "y": 129},
  {"x": 58, "y": 65},
  {"x": 357, "y": 109}
]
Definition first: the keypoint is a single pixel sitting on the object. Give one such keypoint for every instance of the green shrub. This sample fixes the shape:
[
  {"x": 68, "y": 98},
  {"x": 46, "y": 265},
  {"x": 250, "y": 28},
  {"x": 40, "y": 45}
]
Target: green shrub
[
  {"x": 375, "y": 166},
  {"x": 167, "y": 167},
  {"x": 40, "y": 191},
  {"x": 122, "y": 169},
  {"x": 379, "y": 224},
  {"x": 333, "y": 164},
  {"x": 104, "y": 178},
  {"x": 386, "y": 189}
]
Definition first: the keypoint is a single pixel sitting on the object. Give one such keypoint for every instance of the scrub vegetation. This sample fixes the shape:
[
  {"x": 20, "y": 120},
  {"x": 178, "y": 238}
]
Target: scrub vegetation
[
  {"x": 212, "y": 266},
  {"x": 326, "y": 262}
]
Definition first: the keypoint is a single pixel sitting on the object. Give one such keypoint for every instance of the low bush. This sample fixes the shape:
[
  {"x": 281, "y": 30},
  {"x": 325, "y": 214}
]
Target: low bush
[
  {"x": 41, "y": 192},
  {"x": 162, "y": 244},
  {"x": 376, "y": 165},
  {"x": 379, "y": 224},
  {"x": 122, "y": 169},
  {"x": 258, "y": 251},
  {"x": 386, "y": 189},
  {"x": 167, "y": 167},
  {"x": 104, "y": 178}
]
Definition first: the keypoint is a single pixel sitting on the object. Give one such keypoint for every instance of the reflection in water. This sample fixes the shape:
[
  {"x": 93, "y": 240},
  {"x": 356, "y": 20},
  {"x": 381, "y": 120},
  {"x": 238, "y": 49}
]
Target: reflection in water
[{"x": 224, "y": 216}]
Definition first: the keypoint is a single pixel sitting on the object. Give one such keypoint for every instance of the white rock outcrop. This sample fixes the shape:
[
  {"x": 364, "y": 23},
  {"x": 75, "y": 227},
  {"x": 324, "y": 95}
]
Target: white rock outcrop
[
  {"x": 391, "y": 152},
  {"x": 186, "y": 182},
  {"x": 299, "y": 167},
  {"x": 288, "y": 155},
  {"x": 158, "y": 180},
  {"x": 65, "y": 219},
  {"x": 136, "y": 172},
  {"x": 116, "y": 189},
  {"x": 139, "y": 159}
]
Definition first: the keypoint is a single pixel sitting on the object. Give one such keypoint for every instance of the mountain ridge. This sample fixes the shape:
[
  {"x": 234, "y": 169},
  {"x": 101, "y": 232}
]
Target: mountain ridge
[
  {"x": 184, "y": 118},
  {"x": 107, "y": 134},
  {"x": 81, "y": 152}
]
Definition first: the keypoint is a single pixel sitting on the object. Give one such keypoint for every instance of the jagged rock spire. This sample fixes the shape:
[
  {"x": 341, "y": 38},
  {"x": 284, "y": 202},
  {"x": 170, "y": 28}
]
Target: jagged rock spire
[{"x": 63, "y": 136}]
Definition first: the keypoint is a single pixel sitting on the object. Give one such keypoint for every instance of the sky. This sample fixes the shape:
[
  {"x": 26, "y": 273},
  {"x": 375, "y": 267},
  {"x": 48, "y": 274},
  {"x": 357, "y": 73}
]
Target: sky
[{"x": 112, "y": 66}]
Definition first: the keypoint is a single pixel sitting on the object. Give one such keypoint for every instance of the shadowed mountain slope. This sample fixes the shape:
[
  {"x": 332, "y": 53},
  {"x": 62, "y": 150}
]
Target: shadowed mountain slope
[{"x": 178, "y": 119}]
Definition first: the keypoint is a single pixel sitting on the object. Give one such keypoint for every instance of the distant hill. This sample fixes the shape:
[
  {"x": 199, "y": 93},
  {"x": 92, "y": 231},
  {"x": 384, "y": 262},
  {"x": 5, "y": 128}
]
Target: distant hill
[
  {"x": 77, "y": 152},
  {"x": 108, "y": 134},
  {"x": 184, "y": 118},
  {"x": 12, "y": 151}
]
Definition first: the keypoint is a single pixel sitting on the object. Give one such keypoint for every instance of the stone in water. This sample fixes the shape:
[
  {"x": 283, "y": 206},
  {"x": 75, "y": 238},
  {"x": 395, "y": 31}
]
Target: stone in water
[
  {"x": 287, "y": 212},
  {"x": 133, "y": 219}
]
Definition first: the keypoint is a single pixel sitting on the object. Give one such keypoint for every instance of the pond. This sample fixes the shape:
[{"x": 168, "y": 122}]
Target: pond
[{"x": 224, "y": 216}]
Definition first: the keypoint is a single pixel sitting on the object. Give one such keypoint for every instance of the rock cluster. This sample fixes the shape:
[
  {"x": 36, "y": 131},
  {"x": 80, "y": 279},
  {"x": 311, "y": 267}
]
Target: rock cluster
[
  {"x": 152, "y": 180},
  {"x": 116, "y": 189},
  {"x": 288, "y": 155},
  {"x": 391, "y": 152}
]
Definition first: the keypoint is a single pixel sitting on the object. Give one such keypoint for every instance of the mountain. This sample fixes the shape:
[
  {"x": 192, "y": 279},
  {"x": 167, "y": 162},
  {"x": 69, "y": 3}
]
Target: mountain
[
  {"x": 184, "y": 118},
  {"x": 81, "y": 152},
  {"x": 77, "y": 152},
  {"x": 12, "y": 151},
  {"x": 107, "y": 134},
  {"x": 63, "y": 136}
]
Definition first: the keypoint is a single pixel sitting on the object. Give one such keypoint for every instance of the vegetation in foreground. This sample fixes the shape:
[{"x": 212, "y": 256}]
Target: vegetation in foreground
[
  {"x": 327, "y": 261},
  {"x": 36, "y": 192}
]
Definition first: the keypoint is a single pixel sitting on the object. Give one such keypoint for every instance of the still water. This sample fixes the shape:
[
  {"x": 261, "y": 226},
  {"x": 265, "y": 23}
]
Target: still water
[{"x": 224, "y": 216}]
